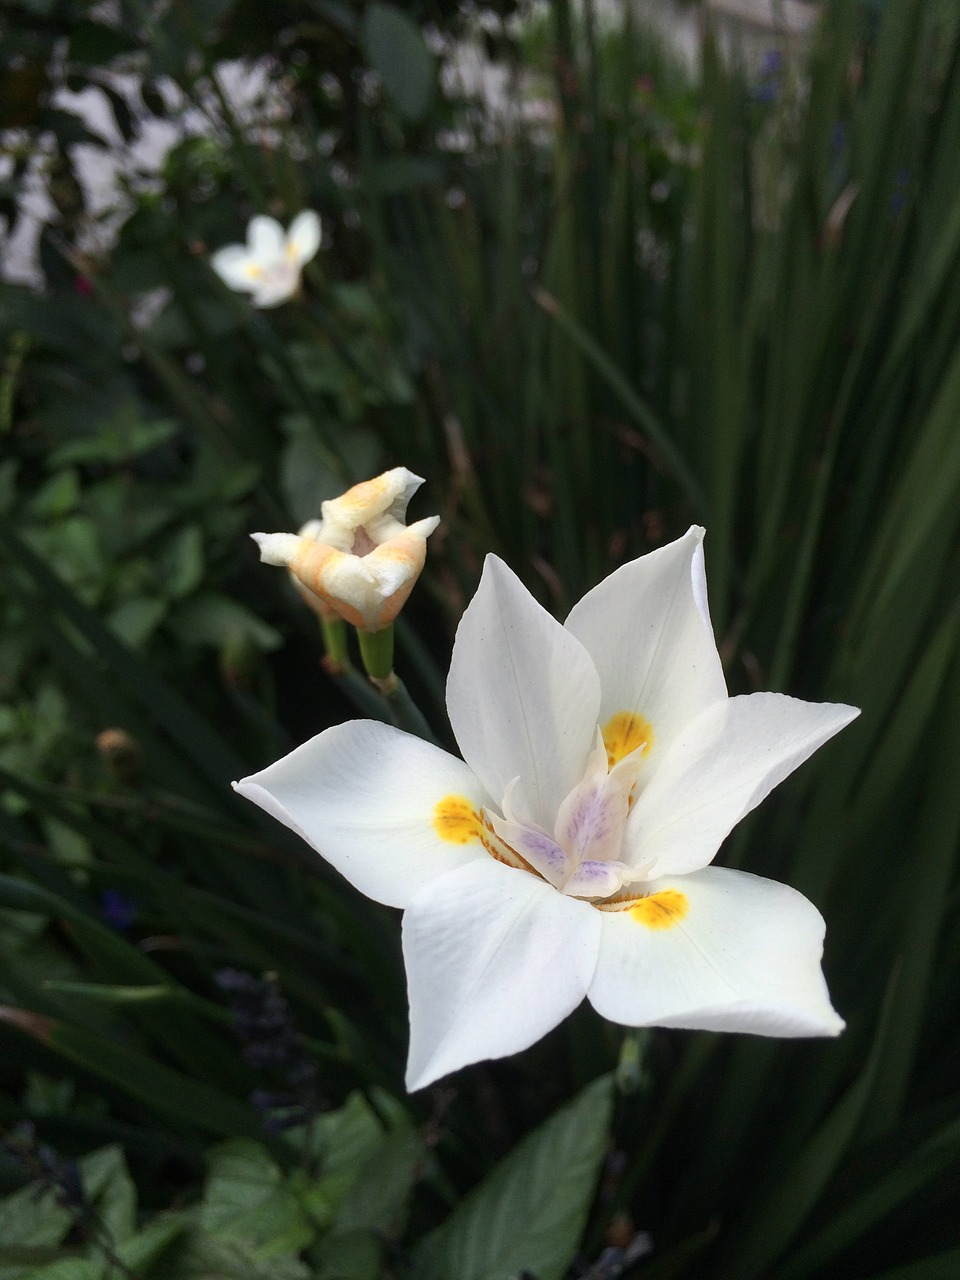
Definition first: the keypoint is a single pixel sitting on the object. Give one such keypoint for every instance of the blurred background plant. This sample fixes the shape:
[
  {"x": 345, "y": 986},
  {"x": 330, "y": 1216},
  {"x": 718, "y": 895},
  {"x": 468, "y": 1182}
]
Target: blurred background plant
[{"x": 592, "y": 292}]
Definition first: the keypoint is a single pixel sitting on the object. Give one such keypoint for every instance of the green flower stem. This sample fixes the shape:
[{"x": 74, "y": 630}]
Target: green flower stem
[
  {"x": 359, "y": 691},
  {"x": 403, "y": 711},
  {"x": 335, "y": 643},
  {"x": 629, "y": 1075},
  {"x": 376, "y": 650}
]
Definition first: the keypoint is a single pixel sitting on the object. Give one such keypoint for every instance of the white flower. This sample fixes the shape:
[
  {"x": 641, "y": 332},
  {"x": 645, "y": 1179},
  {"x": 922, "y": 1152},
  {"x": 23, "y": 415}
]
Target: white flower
[
  {"x": 268, "y": 266},
  {"x": 361, "y": 559},
  {"x": 569, "y": 856}
]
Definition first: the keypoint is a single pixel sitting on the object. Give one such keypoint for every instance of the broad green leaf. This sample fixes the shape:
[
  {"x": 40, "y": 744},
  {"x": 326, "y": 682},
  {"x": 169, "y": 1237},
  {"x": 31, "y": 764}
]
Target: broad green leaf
[
  {"x": 135, "y": 621},
  {"x": 69, "y": 1269},
  {"x": 180, "y": 565},
  {"x": 31, "y": 1217},
  {"x": 345, "y": 1140},
  {"x": 197, "y": 1256},
  {"x": 121, "y": 438},
  {"x": 528, "y": 1214},
  {"x": 353, "y": 1256},
  {"x": 247, "y": 1199},
  {"x": 395, "y": 49},
  {"x": 212, "y": 619},
  {"x": 142, "y": 1250},
  {"x": 383, "y": 1184},
  {"x": 108, "y": 1184}
]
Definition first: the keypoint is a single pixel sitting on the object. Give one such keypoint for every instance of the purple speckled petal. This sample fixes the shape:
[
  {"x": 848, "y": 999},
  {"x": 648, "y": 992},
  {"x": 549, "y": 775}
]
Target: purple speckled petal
[
  {"x": 591, "y": 818},
  {"x": 594, "y": 880},
  {"x": 536, "y": 847}
]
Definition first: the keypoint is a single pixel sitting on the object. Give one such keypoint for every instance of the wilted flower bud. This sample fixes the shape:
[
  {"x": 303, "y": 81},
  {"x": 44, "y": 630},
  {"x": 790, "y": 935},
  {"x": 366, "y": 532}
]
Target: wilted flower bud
[
  {"x": 122, "y": 755},
  {"x": 362, "y": 560}
]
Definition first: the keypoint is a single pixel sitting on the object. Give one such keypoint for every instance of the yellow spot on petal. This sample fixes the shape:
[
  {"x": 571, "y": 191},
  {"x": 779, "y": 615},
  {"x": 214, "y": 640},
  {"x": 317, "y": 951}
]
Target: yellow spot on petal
[
  {"x": 456, "y": 820},
  {"x": 253, "y": 271},
  {"x": 625, "y": 732},
  {"x": 661, "y": 910}
]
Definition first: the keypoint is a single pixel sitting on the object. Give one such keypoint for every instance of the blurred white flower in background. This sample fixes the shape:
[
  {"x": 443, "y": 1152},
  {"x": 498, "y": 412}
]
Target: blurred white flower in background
[{"x": 268, "y": 266}]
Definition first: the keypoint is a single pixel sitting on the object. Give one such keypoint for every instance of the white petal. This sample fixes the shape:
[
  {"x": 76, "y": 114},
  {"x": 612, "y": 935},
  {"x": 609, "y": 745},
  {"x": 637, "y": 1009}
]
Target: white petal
[
  {"x": 266, "y": 240},
  {"x": 365, "y": 795},
  {"x": 277, "y": 548},
  {"x": 275, "y": 292},
  {"x": 744, "y": 957},
  {"x": 303, "y": 238},
  {"x": 723, "y": 764},
  {"x": 233, "y": 265},
  {"x": 522, "y": 695},
  {"x": 495, "y": 958},
  {"x": 364, "y": 503},
  {"x": 404, "y": 484},
  {"x": 646, "y": 628}
]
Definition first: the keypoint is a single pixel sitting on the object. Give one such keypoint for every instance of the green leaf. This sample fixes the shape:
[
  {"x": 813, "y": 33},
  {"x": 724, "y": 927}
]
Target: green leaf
[
  {"x": 121, "y": 438},
  {"x": 109, "y": 1186},
  {"x": 940, "y": 1266},
  {"x": 140, "y": 1251},
  {"x": 396, "y": 174},
  {"x": 247, "y": 1199},
  {"x": 212, "y": 619},
  {"x": 355, "y": 1256},
  {"x": 180, "y": 564},
  {"x": 306, "y": 477},
  {"x": 191, "y": 1102},
  {"x": 135, "y": 621},
  {"x": 895, "y": 1183},
  {"x": 786, "y": 1202},
  {"x": 68, "y": 1269},
  {"x": 346, "y": 1139},
  {"x": 378, "y": 1195},
  {"x": 197, "y": 1256},
  {"x": 395, "y": 49},
  {"x": 530, "y": 1211},
  {"x": 32, "y": 1218}
]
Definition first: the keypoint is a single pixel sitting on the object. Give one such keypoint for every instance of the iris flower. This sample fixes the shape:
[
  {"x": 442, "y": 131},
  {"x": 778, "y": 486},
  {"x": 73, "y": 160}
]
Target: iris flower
[
  {"x": 568, "y": 854},
  {"x": 360, "y": 560},
  {"x": 268, "y": 266}
]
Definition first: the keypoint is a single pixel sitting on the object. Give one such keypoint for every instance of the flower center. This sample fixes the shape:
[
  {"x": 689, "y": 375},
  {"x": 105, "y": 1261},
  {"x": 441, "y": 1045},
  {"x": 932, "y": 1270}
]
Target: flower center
[{"x": 582, "y": 855}]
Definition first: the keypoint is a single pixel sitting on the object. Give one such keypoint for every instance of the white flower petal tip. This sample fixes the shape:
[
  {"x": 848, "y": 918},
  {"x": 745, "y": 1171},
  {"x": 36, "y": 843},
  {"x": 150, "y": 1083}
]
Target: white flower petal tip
[
  {"x": 376, "y": 803},
  {"x": 268, "y": 266},
  {"x": 360, "y": 561},
  {"x": 276, "y": 548},
  {"x": 716, "y": 950},
  {"x": 495, "y": 959},
  {"x": 567, "y": 854}
]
